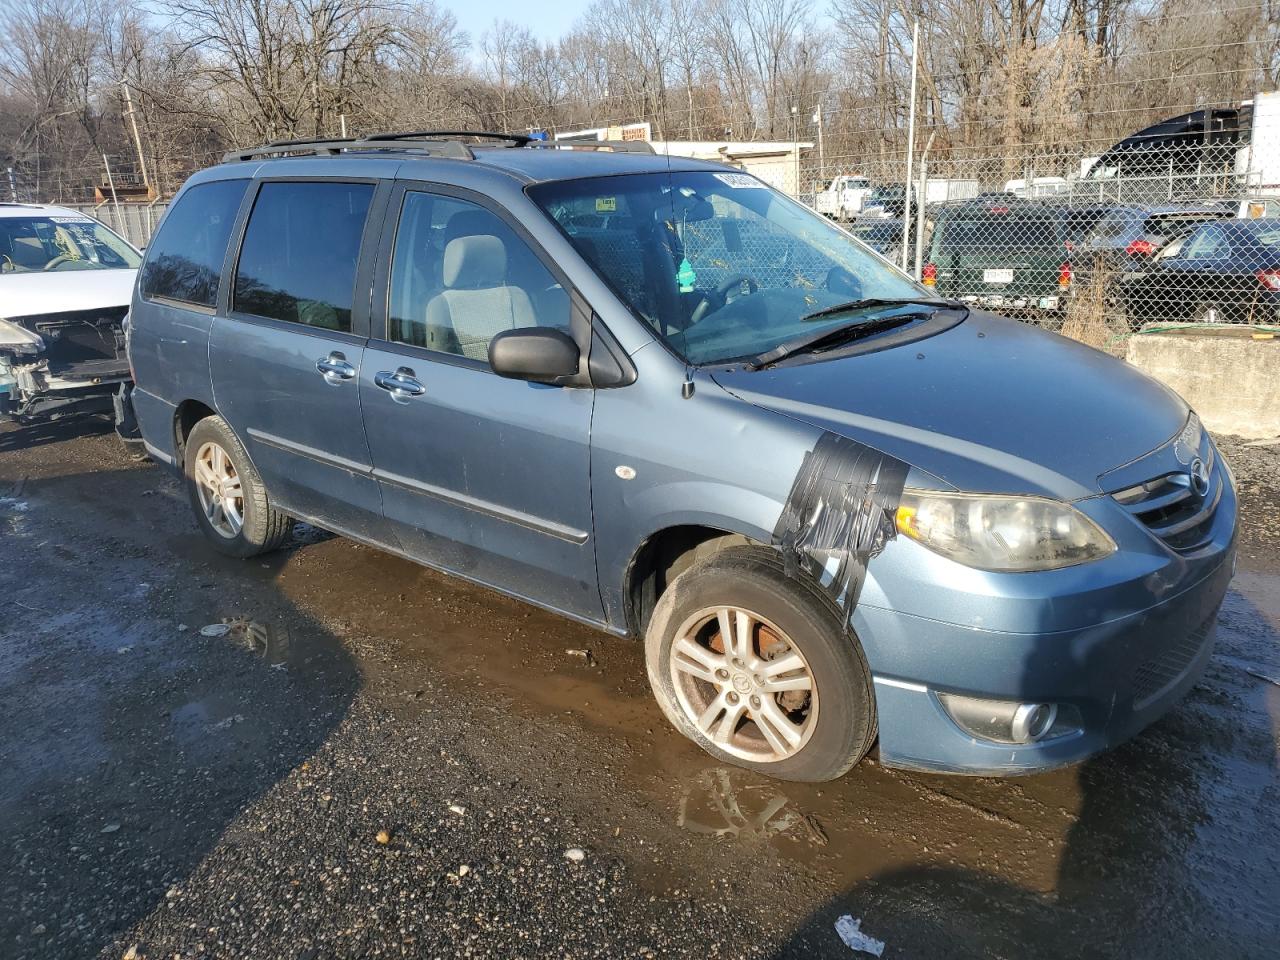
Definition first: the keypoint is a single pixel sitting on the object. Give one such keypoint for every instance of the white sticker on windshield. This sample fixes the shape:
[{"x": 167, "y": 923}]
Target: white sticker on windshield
[
  {"x": 72, "y": 219},
  {"x": 740, "y": 181}
]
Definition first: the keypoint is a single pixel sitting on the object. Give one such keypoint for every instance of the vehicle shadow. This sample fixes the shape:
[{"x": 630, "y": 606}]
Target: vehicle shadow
[
  {"x": 133, "y": 743},
  {"x": 1169, "y": 853},
  {"x": 14, "y": 437}
]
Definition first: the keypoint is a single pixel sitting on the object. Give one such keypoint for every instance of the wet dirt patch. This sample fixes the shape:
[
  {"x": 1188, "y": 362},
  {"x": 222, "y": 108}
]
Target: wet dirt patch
[{"x": 375, "y": 696}]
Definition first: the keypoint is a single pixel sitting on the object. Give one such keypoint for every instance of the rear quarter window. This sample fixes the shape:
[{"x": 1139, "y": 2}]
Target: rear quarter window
[{"x": 184, "y": 259}]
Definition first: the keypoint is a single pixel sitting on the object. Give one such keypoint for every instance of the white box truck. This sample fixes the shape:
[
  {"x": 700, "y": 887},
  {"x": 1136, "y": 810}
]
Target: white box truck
[{"x": 843, "y": 199}]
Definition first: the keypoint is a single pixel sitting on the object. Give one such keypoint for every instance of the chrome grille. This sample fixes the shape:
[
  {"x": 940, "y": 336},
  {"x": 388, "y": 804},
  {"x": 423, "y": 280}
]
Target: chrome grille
[
  {"x": 1171, "y": 508},
  {"x": 1158, "y": 674}
]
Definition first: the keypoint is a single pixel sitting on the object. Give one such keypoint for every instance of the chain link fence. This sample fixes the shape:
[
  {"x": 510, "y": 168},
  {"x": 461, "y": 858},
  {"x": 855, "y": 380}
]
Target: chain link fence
[
  {"x": 1094, "y": 247},
  {"x": 133, "y": 221}
]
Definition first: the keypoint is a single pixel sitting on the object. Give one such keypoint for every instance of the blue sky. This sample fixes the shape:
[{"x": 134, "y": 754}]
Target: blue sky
[{"x": 548, "y": 21}]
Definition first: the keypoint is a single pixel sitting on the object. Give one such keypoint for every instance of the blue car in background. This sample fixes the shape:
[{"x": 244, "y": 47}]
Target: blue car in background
[{"x": 656, "y": 396}]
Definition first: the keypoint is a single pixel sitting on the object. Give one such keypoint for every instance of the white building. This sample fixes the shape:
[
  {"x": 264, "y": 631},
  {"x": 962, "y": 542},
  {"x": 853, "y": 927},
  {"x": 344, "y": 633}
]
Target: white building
[{"x": 777, "y": 163}]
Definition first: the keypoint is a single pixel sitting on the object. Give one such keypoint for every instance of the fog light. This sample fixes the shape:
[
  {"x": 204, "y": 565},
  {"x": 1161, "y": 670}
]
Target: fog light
[
  {"x": 1031, "y": 721},
  {"x": 1002, "y": 721}
]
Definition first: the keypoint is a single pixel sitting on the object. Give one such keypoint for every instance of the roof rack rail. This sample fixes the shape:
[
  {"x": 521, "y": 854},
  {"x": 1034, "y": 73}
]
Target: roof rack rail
[
  {"x": 435, "y": 143},
  {"x": 615, "y": 146},
  {"x": 519, "y": 139},
  {"x": 436, "y": 148}
]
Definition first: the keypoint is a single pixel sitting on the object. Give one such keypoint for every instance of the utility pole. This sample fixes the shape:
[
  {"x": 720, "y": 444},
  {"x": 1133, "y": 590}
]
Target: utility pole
[
  {"x": 13, "y": 186},
  {"x": 137, "y": 139}
]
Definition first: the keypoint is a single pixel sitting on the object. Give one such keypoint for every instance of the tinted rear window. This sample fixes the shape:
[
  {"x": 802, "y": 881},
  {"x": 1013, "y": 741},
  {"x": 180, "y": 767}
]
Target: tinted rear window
[
  {"x": 1078, "y": 224},
  {"x": 1000, "y": 232},
  {"x": 298, "y": 260},
  {"x": 184, "y": 260},
  {"x": 1175, "y": 225}
]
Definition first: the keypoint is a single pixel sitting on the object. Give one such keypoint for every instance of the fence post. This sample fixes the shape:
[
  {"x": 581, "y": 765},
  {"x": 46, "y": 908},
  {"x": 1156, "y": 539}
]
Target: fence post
[
  {"x": 115, "y": 201},
  {"x": 924, "y": 184},
  {"x": 911, "y": 144}
]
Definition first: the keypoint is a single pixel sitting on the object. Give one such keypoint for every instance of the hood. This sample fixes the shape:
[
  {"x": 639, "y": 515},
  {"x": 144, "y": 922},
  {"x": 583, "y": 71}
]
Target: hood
[
  {"x": 990, "y": 405},
  {"x": 25, "y": 294}
]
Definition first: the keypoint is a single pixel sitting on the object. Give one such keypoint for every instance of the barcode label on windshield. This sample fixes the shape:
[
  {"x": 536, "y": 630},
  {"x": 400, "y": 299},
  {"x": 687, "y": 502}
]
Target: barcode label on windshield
[{"x": 740, "y": 181}]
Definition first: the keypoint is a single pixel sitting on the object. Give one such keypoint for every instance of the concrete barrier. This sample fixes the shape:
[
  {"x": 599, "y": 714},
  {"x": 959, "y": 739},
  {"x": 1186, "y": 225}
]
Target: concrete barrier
[{"x": 1230, "y": 374}]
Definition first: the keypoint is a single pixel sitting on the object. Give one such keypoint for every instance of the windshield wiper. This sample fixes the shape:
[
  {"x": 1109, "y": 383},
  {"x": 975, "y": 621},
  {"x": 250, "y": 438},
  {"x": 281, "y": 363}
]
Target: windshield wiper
[
  {"x": 846, "y": 333},
  {"x": 882, "y": 302}
]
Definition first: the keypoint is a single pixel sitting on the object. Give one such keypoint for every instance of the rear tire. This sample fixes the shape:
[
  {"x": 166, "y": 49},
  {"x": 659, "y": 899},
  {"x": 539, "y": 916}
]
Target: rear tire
[
  {"x": 788, "y": 695},
  {"x": 230, "y": 501}
]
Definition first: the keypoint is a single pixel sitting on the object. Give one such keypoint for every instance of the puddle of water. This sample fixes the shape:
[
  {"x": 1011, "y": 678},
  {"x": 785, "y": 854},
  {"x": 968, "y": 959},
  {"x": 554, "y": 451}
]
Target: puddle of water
[{"x": 726, "y": 803}]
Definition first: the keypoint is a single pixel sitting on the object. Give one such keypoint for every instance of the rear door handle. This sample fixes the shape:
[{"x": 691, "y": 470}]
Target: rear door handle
[
  {"x": 335, "y": 368},
  {"x": 402, "y": 385}
]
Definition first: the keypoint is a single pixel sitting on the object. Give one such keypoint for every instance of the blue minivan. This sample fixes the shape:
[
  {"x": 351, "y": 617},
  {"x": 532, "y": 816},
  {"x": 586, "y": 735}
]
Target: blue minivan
[{"x": 657, "y": 396}]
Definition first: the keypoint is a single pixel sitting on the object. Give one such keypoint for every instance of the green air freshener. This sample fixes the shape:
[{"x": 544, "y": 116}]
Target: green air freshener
[{"x": 685, "y": 276}]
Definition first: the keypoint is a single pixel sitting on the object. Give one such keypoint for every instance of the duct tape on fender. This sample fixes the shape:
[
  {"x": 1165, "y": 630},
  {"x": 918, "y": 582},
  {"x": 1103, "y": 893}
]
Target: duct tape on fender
[{"x": 841, "y": 512}]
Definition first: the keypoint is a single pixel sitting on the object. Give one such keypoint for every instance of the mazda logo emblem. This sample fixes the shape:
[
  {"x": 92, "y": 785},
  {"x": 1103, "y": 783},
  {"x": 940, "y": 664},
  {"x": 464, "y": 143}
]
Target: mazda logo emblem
[{"x": 1199, "y": 477}]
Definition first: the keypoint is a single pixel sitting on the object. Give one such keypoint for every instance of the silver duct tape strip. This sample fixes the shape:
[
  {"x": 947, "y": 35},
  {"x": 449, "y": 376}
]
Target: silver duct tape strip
[{"x": 841, "y": 512}]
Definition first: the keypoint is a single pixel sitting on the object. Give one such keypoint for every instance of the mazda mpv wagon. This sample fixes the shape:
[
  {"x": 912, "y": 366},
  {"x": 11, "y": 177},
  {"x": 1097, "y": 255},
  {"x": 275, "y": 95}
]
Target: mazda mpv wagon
[{"x": 657, "y": 396}]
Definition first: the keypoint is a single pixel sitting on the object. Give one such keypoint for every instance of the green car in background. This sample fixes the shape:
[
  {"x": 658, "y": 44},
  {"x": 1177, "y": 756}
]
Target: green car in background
[{"x": 1009, "y": 256}]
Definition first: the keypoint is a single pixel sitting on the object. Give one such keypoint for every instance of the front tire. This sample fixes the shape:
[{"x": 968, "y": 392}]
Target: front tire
[
  {"x": 228, "y": 496},
  {"x": 758, "y": 669}
]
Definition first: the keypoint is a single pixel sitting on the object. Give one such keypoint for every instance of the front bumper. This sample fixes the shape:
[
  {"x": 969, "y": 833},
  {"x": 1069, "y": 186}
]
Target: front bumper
[
  {"x": 1120, "y": 675},
  {"x": 1115, "y": 643}
]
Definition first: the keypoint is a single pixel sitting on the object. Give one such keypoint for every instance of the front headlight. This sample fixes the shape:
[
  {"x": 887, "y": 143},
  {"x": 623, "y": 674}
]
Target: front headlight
[{"x": 1007, "y": 534}]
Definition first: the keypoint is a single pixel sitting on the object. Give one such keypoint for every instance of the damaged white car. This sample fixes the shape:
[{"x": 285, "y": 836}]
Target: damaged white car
[{"x": 65, "y": 284}]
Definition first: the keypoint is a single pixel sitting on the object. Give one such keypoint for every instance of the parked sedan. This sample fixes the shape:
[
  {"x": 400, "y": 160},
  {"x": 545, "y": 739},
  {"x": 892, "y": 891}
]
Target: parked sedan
[
  {"x": 65, "y": 282},
  {"x": 1225, "y": 272},
  {"x": 1126, "y": 238}
]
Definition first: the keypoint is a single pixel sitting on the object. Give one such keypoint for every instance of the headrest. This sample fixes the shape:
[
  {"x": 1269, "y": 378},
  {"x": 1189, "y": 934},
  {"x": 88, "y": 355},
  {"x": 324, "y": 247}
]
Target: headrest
[
  {"x": 464, "y": 223},
  {"x": 471, "y": 262}
]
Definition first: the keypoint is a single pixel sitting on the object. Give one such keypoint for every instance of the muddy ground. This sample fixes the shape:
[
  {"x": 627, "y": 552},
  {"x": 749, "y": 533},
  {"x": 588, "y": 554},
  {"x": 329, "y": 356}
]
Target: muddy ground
[{"x": 176, "y": 794}]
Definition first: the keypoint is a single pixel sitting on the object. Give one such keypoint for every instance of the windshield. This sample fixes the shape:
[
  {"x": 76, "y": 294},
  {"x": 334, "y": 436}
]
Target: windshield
[
  {"x": 719, "y": 265},
  {"x": 62, "y": 243}
]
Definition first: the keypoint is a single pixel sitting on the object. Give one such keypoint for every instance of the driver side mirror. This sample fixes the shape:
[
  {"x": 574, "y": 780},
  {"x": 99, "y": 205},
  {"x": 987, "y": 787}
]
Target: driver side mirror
[{"x": 536, "y": 354}]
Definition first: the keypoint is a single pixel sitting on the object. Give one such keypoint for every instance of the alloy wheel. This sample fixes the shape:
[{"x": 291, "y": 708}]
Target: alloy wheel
[
  {"x": 743, "y": 683},
  {"x": 219, "y": 489}
]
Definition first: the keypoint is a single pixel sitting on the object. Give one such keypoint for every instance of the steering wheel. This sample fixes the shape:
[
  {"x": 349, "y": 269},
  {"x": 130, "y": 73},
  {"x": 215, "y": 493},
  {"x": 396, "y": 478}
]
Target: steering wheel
[
  {"x": 57, "y": 261},
  {"x": 730, "y": 290}
]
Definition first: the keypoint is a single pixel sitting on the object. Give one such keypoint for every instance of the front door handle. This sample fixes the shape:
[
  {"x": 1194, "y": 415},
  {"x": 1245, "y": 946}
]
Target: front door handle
[
  {"x": 402, "y": 385},
  {"x": 335, "y": 368}
]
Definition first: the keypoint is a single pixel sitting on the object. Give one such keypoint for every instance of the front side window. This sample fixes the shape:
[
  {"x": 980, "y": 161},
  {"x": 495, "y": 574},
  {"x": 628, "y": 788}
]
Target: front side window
[
  {"x": 298, "y": 260},
  {"x": 718, "y": 264},
  {"x": 1268, "y": 238},
  {"x": 61, "y": 242},
  {"x": 1210, "y": 243},
  {"x": 184, "y": 260},
  {"x": 460, "y": 275}
]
